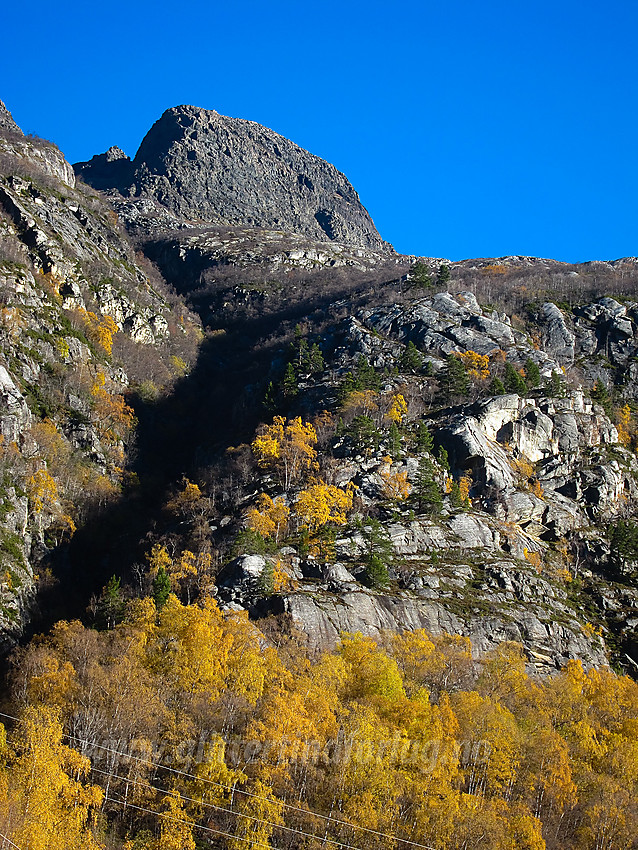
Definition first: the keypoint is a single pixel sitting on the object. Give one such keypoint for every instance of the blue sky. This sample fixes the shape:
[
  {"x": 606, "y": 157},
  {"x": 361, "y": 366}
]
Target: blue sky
[{"x": 468, "y": 128}]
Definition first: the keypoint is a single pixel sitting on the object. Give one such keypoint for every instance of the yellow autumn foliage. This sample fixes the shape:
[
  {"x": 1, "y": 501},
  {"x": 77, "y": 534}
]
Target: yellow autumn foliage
[
  {"x": 398, "y": 409},
  {"x": 43, "y": 797},
  {"x": 322, "y": 503},
  {"x": 360, "y": 402},
  {"x": 533, "y": 558},
  {"x": 413, "y": 736},
  {"x": 42, "y": 491},
  {"x": 465, "y": 485},
  {"x": 477, "y": 365},
  {"x": 99, "y": 329},
  {"x": 269, "y": 518},
  {"x": 288, "y": 447},
  {"x": 395, "y": 483},
  {"x": 624, "y": 425},
  {"x": 115, "y": 418}
]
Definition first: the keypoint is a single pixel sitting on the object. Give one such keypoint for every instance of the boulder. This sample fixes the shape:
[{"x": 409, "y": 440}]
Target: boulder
[
  {"x": 533, "y": 434},
  {"x": 239, "y": 581},
  {"x": 469, "y": 448}
]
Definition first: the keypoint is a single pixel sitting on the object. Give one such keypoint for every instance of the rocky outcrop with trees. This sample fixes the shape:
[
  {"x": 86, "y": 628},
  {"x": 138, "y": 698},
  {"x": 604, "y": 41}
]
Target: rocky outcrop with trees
[{"x": 484, "y": 453}]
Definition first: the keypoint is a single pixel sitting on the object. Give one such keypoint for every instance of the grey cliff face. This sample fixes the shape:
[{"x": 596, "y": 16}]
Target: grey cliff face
[
  {"x": 6, "y": 120},
  {"x": 210, "y": 168}
]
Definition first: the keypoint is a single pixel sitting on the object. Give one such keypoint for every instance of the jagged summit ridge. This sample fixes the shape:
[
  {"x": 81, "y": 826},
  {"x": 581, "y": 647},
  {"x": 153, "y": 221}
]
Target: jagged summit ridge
[
  {"x": 6, "y": 120},
  {"x": 208, "y": 167}
]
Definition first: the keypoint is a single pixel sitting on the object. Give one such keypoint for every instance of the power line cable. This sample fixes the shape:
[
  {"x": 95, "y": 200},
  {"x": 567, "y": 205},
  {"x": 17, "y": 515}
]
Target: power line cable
[
  {"x": 235, "y": 790},
  {"x": 228, "y": 811},
  {"x": 4, "y": 838},
  {"x": 193, "y": 825}
]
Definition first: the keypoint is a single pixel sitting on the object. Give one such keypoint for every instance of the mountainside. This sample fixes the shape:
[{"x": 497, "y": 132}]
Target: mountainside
[
  {"x": 329, "y": 545},
  {"x": 202, "y": 166},
  {"x": 79, "y": 319},
  {"x": 336, "y": 334}
]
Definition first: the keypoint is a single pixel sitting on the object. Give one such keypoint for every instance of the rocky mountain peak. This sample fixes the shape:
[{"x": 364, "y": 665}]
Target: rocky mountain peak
[
  {"x": 6, "y": 120},
  {"x": 210, "y": 168},
  {"x": 110, "y": 170}
]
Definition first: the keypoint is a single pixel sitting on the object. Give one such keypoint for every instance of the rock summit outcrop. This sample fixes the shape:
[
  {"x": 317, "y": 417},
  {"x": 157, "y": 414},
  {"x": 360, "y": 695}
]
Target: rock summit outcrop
[
  {"x": 6, "y": 120},
  {"x": 209, "y": 168}
]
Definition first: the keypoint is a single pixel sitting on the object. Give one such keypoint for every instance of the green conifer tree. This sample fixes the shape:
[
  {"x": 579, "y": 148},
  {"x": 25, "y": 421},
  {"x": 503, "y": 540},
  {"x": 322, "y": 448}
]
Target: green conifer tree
[
  {"x": 455, "y": 381},
  {"x": 378, "y": 551},
  {"x": 443, "y": 459},
  {"x": 376, "y": 572},
  {"x": 411, "y": 360},
  {"x": 363, "y": 434},
  {"x": 161, "y": 588},
  {"x": 423, "y": 438},
  {"x": 497, "y": 387},
  {"x": 443, "y": 276},
  {"x": 111, "y": 605},
  {"x": 513, "y": 381},
  {"x": 555, "y": 386},
  {"x": 600, "y": 394},
  {"x": 426, "y": 491},
  {"x": 394, "y": 440},
  {"x": 290, "y": 384},
  {"x": 266, "y": 581},
  {"x": 420, "y": 276},
  {"x": 532, "y": 374}
]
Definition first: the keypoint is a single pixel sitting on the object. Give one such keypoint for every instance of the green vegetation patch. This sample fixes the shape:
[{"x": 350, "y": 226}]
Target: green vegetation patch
[{"x": 11, "y": 546}]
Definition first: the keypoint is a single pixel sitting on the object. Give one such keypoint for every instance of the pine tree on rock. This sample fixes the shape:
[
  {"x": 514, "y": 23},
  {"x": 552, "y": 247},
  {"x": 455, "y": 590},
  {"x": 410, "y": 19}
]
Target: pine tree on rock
[
  {"x": 426, "y": 491},
  {"x": 424, "y": 438},
  {"x": 411, "y": 359},
  {"x": 455, "y": 380},
  {"x": 532, "y": 374},
  {"x": 513, "y": 381}
]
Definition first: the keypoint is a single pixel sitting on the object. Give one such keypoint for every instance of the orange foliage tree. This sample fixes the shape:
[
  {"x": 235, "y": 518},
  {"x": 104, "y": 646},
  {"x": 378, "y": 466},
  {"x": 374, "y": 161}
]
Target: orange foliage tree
[{"x": 395, "y": 483}]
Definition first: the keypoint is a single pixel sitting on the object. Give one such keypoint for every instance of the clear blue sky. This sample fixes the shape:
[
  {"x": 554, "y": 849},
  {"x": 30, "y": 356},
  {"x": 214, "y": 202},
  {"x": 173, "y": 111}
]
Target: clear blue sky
[{"x": 469, "y": 127}]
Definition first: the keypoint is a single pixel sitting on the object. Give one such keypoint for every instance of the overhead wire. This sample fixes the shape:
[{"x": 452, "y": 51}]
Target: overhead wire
[
  {"x": 201, "y": 827},
  {"x": 235, "y": 790},
  {"x": 137, "y": 782},
  {"x": 228, "y": 811}
]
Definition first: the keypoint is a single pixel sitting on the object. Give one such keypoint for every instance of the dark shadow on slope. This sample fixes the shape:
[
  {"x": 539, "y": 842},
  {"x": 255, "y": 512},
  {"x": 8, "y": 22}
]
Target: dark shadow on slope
[{"x": 219, "y": 404}]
